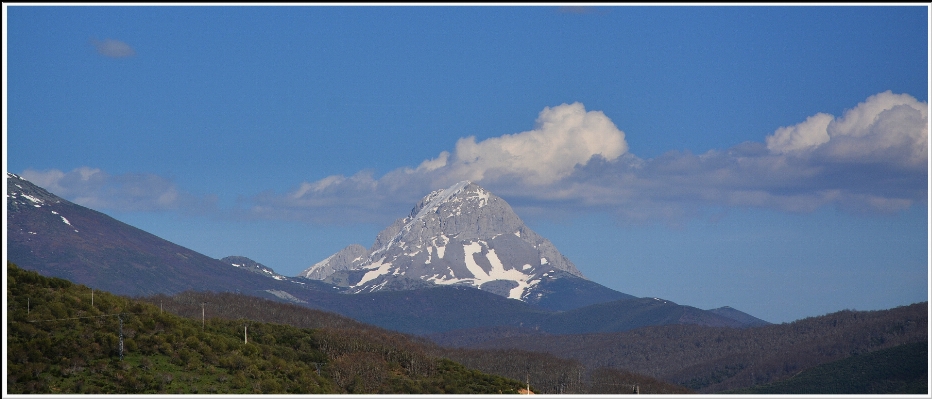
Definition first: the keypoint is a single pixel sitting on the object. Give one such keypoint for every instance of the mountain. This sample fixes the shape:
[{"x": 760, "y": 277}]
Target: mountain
[
  {"x": 253, "y": 266},
  {"x": 58, "y": 238},
  {"x": 607, "y": 317},
  {"x": 629, "y": 314},
  {"x": 739, "y": 316},
  {"x": 464, "y": 235},
  {"x": 451, "y": 314}
]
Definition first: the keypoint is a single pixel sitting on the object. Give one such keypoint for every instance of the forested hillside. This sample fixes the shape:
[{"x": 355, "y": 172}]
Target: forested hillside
[
  {"x": 65, "y": 338},
  {"x": 902, "y": 369},
  {"x": 546, "y": 373},
  {"x": 714, "y": 359},
  {"x": 62, "y": 338}
]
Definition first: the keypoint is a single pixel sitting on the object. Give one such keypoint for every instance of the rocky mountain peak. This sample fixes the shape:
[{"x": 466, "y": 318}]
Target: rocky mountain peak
[
  {"x": 464, "y": 211},
  {"x": 461, "y": 235}
]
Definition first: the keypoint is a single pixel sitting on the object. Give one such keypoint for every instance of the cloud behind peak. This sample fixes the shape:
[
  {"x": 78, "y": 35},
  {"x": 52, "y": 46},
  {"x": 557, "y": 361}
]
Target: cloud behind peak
[{"x": 564, "y": 136}]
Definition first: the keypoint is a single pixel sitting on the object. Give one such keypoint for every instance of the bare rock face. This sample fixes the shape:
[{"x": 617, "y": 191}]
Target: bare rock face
[
  {"x": 462, "y": 235},
  {"x": 342, "y": 260}
]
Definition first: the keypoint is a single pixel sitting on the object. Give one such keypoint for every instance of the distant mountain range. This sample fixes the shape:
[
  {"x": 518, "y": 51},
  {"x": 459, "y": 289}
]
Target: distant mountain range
[
  {"x": 484, "y": 297},
  {"x": 460, "y": 260}
]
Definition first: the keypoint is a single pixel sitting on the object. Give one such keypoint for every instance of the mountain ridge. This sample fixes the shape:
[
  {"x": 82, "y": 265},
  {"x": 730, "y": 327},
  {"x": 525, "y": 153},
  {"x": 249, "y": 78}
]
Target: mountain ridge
[{"x": 61, "y": 239}]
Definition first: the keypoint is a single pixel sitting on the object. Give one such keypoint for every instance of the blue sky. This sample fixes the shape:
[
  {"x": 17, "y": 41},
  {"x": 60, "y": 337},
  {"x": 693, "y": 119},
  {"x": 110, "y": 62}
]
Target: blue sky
[{"x": 769, "y": 158}]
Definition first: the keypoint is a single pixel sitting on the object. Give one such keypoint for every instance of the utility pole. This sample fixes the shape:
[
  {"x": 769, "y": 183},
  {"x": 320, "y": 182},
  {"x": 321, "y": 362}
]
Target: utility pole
[
  {"x": 202, "y": 315},
  {"x": 121, "y": 336},
  {"x": 92, "y": 297},
  {"x": 245, "y": 339},
  {"x": 528, "y": 375}
]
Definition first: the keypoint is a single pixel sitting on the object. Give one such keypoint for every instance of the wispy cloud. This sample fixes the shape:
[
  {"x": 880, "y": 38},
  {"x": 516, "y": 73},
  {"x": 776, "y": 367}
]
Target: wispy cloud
[
  {"x": 113, "y": 48},
  {"x": 99, "y": 190},
  {"x": 582, "y": 10},
  {"x": 871, "y": 159}
]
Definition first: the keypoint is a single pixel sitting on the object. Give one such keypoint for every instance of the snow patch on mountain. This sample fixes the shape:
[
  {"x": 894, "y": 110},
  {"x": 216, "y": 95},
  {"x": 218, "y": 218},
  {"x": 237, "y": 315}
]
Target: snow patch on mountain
[
  {"x": 286, "y": 296},
  {"x": 243, "y": 262},
  {"x": 37, "y": 202},
  {"x": 379, "y": 269}
]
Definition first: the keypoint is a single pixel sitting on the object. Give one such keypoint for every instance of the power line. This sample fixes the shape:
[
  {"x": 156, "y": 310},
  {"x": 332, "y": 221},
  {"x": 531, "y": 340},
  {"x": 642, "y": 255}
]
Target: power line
[
  {"x": 119, "y": 315},
  {"x": 84, "y": 317}
]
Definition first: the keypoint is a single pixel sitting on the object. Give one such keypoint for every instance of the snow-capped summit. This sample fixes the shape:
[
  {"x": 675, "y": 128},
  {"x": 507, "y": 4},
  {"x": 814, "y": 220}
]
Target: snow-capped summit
[{"x": 461, "y": 235}]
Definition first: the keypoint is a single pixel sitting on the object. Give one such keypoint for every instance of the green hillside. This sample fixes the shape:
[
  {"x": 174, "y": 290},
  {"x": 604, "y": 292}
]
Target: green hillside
[
  {"x": 902, "y": 369},
  {"x": 547, "y": 373},
  {"x": 64, "y": 338}
]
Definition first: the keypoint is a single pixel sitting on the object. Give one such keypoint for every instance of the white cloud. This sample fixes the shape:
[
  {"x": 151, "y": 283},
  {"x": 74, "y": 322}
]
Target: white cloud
[
  {"x": 885, "y": 128},
  {"x": 564, "y": 136},
  {"x": 871, "y": 159},
  {"x": 113, "y": 48},
  {"x": 434, "y": 164},
  {"x": 806, "y": 135}
]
